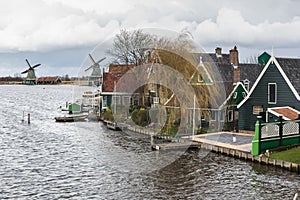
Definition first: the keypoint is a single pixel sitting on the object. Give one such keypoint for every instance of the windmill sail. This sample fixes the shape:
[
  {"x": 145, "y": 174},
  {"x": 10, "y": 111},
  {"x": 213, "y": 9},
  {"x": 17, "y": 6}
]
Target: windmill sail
[{"x": 31, "y": 78}]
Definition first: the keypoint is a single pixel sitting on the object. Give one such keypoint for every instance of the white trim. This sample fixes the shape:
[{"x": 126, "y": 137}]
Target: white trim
[
  {"x": 270, "y": 102},
  {"x": 271, "y": 60},
  {"x": 230, "y": 116},
  {"x": 232, "y": 92},
  {"x": 234, "y": 95},
  {"x": 270, "y": 110}
]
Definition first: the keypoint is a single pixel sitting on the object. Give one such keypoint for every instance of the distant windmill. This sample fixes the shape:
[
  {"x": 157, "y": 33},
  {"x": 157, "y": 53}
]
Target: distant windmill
[
  {"x": 31, "y": 78},
  {"x": 94, "y": 79}
]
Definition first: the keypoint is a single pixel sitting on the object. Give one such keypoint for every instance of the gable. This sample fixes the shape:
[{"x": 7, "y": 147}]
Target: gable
[
  {"x": 236, "y": 95},
  {"x": 272, "y": 73}
]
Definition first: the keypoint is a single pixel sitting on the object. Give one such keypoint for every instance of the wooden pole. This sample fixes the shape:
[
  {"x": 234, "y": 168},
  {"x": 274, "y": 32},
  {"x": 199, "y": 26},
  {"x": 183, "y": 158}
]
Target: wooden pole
[
  {"x": 23, "y": 117},
  {"x": 28, "y": 118}
]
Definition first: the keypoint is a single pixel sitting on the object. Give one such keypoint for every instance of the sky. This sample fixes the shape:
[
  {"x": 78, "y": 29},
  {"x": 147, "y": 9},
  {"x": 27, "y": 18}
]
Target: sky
[{"x": 59, "y": 34}]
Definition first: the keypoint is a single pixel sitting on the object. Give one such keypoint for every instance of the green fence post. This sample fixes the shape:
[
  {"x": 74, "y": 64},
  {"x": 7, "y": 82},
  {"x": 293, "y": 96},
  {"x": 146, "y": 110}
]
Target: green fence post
[
  {"x": 256, "y": 142},
  {"x": 298, "y": 128}
]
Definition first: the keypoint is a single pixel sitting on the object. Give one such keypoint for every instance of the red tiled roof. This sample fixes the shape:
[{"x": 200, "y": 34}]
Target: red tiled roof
[
  {"x": 48, "y": 79},
  {"x": 113, "y": 75},
  {"x": 286, "y": 112}
]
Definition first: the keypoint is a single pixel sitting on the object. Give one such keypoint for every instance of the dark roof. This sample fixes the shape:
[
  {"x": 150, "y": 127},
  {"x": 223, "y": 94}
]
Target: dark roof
[
  {"x": 221, "y": 65},
  {"x": 250, "y": 72},
  {"x": 291, "y": 67}
]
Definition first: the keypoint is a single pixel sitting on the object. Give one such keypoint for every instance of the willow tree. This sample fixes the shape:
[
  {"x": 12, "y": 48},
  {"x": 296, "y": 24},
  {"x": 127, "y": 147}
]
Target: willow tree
[{"x": 141, "y": 48}]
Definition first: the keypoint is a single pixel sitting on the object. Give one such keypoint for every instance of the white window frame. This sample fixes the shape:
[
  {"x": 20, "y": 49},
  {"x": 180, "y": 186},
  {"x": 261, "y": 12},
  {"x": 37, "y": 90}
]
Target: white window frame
[
  {"x": 126, "y": 100},
  {"x": 234, "y": 95},
  {"x": 271, "y": 102},
  {"x": 104, "y": 102},
  {"x": 155, "y": 100},
  {"x": 246, "y": 84},
  {"x": 116, "y": 100},
  {"x": 213, "y": 115},
  {"x": 244, "y": 94},
  {"x": 230, "y": 116},
  {"x": 200, "y": 79}
]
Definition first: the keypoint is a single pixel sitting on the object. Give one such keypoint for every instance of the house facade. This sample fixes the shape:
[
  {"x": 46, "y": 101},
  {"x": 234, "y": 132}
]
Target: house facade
[
  {"x": 229, "y": 106},
  {"x": 110, "y": 79},
  {"x": 278, "y": 87}
]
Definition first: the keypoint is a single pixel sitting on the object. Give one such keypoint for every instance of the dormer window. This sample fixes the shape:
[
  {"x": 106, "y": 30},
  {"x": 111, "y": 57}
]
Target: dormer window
[
  {"x": 246, "y": 84},
  {"x": 235, "y": 95}
]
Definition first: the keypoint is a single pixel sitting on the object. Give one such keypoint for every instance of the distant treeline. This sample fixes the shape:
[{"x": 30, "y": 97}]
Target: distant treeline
[{"x": 9, "y": 78}]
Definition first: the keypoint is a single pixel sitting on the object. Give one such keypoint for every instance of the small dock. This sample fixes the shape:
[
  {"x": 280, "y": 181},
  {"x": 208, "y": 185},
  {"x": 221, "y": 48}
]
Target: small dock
[{"x": 237, "y": 145}]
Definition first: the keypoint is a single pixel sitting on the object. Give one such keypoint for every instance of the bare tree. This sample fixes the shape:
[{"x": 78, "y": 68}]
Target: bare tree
[{"x": 130, "y": 47}]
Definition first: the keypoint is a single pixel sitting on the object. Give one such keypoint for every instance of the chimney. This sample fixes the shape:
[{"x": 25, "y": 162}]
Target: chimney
[
  {"x": 218, "y": 51},
  {"x": 234, "y": 56},
  {"x": 234, "y": 60}
]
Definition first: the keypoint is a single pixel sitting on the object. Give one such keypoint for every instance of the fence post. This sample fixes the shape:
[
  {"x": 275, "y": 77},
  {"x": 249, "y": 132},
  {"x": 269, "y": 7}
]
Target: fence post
[
  {"x": 280, "y": 131},
  {"x": 298, "y": 128},
  {"x": 259, "y": 135},
  {"x": 256, "y": 142}
]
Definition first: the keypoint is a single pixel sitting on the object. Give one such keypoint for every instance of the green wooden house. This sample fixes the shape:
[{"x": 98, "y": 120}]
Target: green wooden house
[
  {"x": 277, "y": 86},
  {"x": 238, "y": 94}
]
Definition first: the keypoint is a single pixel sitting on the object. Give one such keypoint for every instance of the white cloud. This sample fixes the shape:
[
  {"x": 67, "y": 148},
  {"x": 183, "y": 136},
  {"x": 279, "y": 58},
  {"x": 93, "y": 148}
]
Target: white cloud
[
  {"x": 36, "y": 25},
  {"x": 231, "y": 27},
  {"x": 55, "y": 25}
]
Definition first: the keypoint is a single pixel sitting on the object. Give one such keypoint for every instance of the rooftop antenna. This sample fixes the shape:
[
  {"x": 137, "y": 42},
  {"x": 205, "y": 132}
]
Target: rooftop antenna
[{"x": 272, "y": 54}]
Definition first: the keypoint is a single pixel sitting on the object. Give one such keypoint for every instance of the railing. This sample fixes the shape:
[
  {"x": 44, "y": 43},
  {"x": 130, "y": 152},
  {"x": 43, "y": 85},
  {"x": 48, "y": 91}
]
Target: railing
[{"x": 275, "y": 134}]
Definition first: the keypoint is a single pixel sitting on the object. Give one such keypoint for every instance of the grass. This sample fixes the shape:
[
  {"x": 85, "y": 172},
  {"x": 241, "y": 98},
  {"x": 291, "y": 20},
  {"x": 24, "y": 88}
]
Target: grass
[{"x": 291, "y": 155}]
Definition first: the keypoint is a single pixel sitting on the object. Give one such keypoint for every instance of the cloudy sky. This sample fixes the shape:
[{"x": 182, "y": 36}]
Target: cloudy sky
[{"x": 60, "y": 33}]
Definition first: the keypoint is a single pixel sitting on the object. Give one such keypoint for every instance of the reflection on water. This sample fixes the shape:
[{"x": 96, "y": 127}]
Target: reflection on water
[{"x": 48, "y": 160}]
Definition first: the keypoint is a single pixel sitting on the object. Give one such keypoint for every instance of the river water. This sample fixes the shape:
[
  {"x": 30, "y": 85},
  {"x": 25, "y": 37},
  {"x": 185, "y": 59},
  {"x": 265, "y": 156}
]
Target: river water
[{"x": 49, "y": 160}]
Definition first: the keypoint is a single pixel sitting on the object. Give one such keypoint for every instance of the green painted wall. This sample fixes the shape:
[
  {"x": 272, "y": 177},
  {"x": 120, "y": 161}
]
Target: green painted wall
[{"x": 259, "y": 97}]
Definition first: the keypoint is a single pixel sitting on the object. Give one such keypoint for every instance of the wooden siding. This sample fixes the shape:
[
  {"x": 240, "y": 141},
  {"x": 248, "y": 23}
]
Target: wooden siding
[{"x": 259, "y": 97}]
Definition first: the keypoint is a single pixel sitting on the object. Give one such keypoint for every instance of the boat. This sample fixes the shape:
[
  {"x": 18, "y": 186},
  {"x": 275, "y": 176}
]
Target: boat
[
  {"x": 72, "y": 118},
  {"x": 111, "y": 125}
]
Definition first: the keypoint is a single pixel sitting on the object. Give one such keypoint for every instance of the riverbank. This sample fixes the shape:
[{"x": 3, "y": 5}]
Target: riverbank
[
  {"x": 290, "y": 155},
  {"x": 237, "y": 145}
]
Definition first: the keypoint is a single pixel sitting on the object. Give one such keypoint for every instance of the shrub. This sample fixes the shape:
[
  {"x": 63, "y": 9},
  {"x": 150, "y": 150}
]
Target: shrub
[{"x": 141, "y": 117}]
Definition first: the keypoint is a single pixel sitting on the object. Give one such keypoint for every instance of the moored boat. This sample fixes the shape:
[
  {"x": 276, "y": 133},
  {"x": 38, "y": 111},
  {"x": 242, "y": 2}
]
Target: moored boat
[{"x": 72, "y": 118}]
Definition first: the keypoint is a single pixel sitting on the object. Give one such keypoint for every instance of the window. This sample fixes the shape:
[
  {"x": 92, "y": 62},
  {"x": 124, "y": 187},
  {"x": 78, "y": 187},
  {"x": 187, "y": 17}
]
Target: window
[
  {"x": 200, "y": 80},
  {"x": 155, "y": 100},
  {"x": 126, "y": 100},
  {"x": 246, "y": 84},
  {"x": 272, "y": 93},
  {"x": 104, "y": 102},
  {"x": 116, "y": 100},
  {"x": 235, "y": 95},
  {"x": 257, "y": 110},
  {"x": 213, "y": 115},
  {"x": 244, "y": 94},
  {"x": 222, "y": 115},
  {"x": 230, "y": 115}
]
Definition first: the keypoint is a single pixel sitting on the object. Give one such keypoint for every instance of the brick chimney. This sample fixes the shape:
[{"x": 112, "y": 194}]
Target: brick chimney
[
  {"x": 218, "y": 51},
  {"x": 234, "y": 60},
  {"x": 234, "y": 56}
]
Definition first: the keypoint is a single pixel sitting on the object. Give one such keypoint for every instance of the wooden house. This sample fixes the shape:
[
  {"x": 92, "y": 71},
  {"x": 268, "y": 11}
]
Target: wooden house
[
  {"x": 238, "y": 94},
  {"x": 274, "y": 93},
  {"x": 110, "y": 79},
  {"x": 49, "y": 80}
]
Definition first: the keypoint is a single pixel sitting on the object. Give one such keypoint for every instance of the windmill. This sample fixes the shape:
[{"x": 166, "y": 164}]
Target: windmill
[
  {"x": 31, "y": 78},
  {"x": 94, "y": 78}
]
